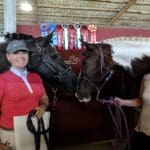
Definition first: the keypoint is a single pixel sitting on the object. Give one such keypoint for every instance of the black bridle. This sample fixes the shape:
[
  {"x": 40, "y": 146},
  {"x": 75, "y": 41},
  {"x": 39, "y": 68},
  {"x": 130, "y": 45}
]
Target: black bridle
[{"x": 58, "y": 74}]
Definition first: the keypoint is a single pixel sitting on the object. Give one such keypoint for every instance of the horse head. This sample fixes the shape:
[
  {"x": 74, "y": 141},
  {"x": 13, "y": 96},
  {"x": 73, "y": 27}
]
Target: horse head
[
  {"x": 100, "y": 76},
  {"x": 44, "y": 60},
  {"x": 53, "y": 70}
]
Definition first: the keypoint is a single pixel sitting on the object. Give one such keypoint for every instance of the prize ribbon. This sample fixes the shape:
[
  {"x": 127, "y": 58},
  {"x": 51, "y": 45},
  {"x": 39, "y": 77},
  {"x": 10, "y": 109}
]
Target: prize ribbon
[
  {"x": 66, "y": 38},
  {"x": 78, "y": 33},
  {"x": 71, "y": 37},
  {"x": 84, "y": 32},
  {"x": 44, "y": 29},
  {"x": 59, "y": 32},
  {"x": 52, "y": 27},
  {"x": 92, "y": 28}
]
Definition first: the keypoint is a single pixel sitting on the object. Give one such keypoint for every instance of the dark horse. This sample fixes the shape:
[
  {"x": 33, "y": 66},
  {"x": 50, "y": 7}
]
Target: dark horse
[
  {"x": 102, "y": 78},
  {"x": 102, "y": 75}
]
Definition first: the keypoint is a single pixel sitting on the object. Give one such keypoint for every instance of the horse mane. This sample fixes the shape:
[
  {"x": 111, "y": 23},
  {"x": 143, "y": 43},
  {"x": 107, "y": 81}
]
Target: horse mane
[
  {"x": 140, "y": 67},
  {"x": 18, "y": 36}
]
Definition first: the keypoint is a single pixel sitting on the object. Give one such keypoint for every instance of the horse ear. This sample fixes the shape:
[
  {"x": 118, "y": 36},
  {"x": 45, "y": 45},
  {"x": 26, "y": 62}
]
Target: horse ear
[
  {"x": 48, "y": 39},
  {"x": 86, "y": 44}
]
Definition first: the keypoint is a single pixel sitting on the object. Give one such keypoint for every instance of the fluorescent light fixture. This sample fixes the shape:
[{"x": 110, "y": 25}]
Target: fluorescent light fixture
[{"x": 25, "y": 6}]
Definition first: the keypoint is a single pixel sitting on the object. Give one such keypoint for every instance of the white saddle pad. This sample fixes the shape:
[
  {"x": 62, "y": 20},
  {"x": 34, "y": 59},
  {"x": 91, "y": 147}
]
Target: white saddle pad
[{"x": 24, "y": 139}]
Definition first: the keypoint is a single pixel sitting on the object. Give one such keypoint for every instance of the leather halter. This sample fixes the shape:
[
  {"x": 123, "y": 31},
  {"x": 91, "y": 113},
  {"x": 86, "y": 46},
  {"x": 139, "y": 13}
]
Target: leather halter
[{"x": 100, "y": 83}]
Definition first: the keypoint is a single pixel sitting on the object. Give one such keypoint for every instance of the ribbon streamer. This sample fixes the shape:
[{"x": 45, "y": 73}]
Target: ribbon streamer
[
  {"x": 66, "y": 38},
  {"x": 78, "y": 27},
  {"x": 59, "y": 31},
  {"x": 71, "y": 37}
]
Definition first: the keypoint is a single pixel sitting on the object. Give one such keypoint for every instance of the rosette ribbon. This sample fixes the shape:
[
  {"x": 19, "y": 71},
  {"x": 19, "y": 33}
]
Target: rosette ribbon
[
  {"x": 44, "y": 27},
  {"x": 92, "y": 28}
]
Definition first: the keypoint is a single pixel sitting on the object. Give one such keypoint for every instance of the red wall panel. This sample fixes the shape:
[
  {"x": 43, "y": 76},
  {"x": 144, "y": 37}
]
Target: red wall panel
[
  {"x": 105, "y": 33},
  {"x": 29, "y": 29}
]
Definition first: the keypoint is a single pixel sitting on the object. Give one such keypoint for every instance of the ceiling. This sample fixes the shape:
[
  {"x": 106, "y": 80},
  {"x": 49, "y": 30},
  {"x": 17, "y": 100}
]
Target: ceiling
[{"x": 103, "y": 13}]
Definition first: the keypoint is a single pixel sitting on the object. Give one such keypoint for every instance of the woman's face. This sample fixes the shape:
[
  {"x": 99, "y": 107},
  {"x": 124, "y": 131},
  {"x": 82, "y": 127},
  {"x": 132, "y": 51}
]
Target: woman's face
[{"x": 18, "y": 59}]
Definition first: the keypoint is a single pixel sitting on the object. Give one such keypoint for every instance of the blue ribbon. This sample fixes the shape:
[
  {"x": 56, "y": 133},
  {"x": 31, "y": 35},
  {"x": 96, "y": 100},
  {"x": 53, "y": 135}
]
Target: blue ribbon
[
  {"x": 44, "y": 28},
  {"x": 52, "y": 27}
]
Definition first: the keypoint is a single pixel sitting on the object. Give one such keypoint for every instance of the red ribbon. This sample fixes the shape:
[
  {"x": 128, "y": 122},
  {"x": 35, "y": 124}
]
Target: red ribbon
[
  {"x": 59, "y": 31},
  {"x": 71, "y": 37},
  {"x": 84, "y": 32},
  {"x": 92, "y": 28},
  {"x": 93, "y": 37}
]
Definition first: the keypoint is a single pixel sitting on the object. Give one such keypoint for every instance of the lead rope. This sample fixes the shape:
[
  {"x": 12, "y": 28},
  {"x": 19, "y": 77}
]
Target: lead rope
[
  {"x": 52, "y": 118},
  {"x": 37, "y": 133},
  {"x": 117, "y": 117}
]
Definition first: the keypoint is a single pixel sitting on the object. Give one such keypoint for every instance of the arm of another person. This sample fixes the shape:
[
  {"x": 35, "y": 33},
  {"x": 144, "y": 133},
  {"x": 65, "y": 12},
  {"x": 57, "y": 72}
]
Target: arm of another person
[{"x": 135, "y": 102}]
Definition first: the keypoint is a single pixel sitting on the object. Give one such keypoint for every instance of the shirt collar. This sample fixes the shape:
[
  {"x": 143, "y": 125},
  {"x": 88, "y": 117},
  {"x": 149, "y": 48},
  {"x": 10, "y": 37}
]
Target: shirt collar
[{"x": 18, "y": 72}]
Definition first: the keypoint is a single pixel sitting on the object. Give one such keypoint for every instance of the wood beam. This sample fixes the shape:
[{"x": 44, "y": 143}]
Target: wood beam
[{"x": 123, "y": 10}]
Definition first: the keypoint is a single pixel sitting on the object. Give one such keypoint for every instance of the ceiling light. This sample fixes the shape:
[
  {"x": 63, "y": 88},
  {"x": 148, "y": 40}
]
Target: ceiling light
[{"x": 26, "y": 6}]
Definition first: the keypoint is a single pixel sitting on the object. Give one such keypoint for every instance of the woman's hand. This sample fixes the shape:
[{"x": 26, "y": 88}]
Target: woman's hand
[
  {"x": 3, "y": 146},
  {"x": 119, "y": 101},
  {"x": 135, "y": 102},
  {"x": 39, "y": 112}
]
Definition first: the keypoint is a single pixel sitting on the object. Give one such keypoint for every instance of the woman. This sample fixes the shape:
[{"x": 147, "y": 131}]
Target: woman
[
  {"x": 141, "y": 137},
  {"x": 20, "y": 91}
]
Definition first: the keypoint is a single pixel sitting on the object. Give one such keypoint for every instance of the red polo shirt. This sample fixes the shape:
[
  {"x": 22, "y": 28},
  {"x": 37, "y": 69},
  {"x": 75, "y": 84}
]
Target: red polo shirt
[{"x": 15, "y": 98}]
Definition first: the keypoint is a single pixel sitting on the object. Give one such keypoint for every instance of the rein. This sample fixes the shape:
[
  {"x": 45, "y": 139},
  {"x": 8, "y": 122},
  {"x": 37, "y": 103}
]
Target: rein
[
  {"x": 117, "y": 117},
  {"x": 40, "y": 130}
]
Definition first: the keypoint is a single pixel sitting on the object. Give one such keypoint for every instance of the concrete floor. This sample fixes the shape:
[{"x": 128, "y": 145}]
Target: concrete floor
[{"x": 104, "y": 145}]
